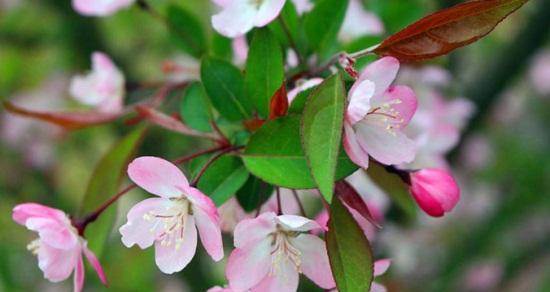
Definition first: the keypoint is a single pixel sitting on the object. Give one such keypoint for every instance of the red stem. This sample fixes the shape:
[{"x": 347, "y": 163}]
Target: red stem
[{"x": 212, "y": 160}]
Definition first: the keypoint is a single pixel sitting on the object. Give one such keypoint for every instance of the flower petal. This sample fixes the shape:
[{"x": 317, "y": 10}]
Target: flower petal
[
  {"x": 53, "y": 233},
  {"x": 403, "y": 100},
  {"x": 247, "y": 266},
  {"x": 22, "y": 212},
  {"x": 79, "y": 274},
  {"x": 375, "y": 287},
  {"x": 210, "y": 234},
  {"x": 386, "y": 146},
  {"x": 297, "y": 223},
  {"x": 96, "y": 265},
  {"x": 359, "y": 100},
  {"x": 269, "y": 10},
  {"x": 252, "y": 230},
  {"x": 200, "y": 200},
  {"x": 315, "y": 263},
  {"x": 99, "y": 8},
  {"x": 236, "y": 19},
  {"x": 170, "y": 258},
  {"x": 381, "y": 266},
  {"x": 57, "y": 264},
  {"x": 382, "y": 73},
  {"x": 141, "y": 229},
  {"x": 284, "y": 279},
  {"x": 354, "y": 150},
  {"x": 158, "y": 176}
]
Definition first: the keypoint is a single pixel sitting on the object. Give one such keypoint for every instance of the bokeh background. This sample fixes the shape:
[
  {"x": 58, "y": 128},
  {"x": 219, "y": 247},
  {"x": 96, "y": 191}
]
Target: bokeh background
[{"x": 497, "y": 239}]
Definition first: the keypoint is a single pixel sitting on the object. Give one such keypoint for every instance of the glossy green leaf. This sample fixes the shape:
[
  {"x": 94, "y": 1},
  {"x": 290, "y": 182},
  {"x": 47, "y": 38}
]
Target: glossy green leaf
[
  {"x": 195, "y": 108},
  {"x": 275, "y": 155},
  {"x": 299, "y": 102},
  {"x": 224, "y": 85},
  {"x": 349, "y": 251},
  {"x": 323, "y": 23},
  {"x": 104, "y": 184},
  {"x": 223, "y": 178},
  {"x": 322, "y": 126},
  {"x": 291, "y": 20},
  {"x": 186, "y": 31},
  {"x": 254, "y": 193},
  {"x": 264, "y": 69},
  {"x": 221, "y": 47}
]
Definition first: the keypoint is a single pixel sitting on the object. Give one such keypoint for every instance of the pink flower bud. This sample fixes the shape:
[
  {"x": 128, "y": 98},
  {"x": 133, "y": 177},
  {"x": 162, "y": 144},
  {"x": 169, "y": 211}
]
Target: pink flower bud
[{"x": 435, "y": 191}]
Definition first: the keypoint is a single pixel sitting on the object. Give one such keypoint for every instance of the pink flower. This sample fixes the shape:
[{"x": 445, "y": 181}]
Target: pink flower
[
  {"x": 240, "y": 50},
  {"x": 272, "y": 250},
  {"x": 380, "y": 267},
  {"x": 376, "y": 115},
  {"x": 303, "y": 85},
  {"x": 237, "y": 17},
  {"x": 302, "y": 6},
  {"x": 171, "y": 221},
  {"x": 435, "y": 191},
  {"x": 359, "y": 22},
  {"x": 539, "y": 73},
  {"x": 219, "y": 289},
  {"x": 59, "y": 247},
  {"x": 100, "y": 7},
  {"x": 102, "y": 88}
]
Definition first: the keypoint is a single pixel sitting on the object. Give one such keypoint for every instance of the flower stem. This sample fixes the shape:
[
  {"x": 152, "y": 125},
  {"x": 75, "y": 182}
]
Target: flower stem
[
  {"x": 212, "y": 160},
  {"x": 279, "y": 206},
  {"x": 300, "y": 205}
]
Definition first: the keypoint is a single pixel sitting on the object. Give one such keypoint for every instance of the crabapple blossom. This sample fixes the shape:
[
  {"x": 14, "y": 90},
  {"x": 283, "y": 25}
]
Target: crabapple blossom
[
  {"x": 435, "y": 191},
  {"x": 272, "y": 250},
  {"x": 102, "y": 88},
  {"x": 100, "y": 7},
  {"x": 237, "y": 17},
  {"x": 380, "y": 267},
  {"x": 376, "y": 115},
  {"x": 59, "y": 247},
  {"x": 171, "y": 221},
  {"x": 302, "y": 6},
  {"x": 359, "y": 22}
]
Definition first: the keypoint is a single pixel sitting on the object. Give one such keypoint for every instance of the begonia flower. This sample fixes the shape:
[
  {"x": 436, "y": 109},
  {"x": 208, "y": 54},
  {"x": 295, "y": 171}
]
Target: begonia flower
[
  {"x": 171, "y": 221},
  {"x": 435, "y": 191},
  {"x": 100, "y": 7},
  {"x": 59, "y": 247},
  {"x": 376, "y": 114},
  {"x": 237, "y": 17},
  {"x": 102, "y": 88},
  {"x": 271, "y": 251}
]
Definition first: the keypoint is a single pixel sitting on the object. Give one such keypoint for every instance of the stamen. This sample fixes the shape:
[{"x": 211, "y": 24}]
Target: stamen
[
  {"x": 173, "y": 223},
  {"x": 283, "y": 250},
  {"x": 34, "y": 246}
]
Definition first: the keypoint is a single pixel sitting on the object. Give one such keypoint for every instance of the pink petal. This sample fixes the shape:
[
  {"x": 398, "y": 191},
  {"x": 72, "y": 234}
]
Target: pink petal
[
  {"x": 359, "y": 100},
  {"x": 236, "y": 19},
  {"x": 427, "y": 202},
  {"x": 269, "y": 10},
  {"x": 381, "y": 266},
  {"x": 53, "y": 233},
  {"x": 253, "y": 230},
  {"x": 158, "y": 176},
  {"x": 382, "y": 73},
  {"x": 100, "y": 8},
  {"x": 315, "y": 263},
  {"x": 141, "y": 229},
  {"x": 375, "y": 287},
  {"x": 57, "y": 264},
  {"x": 285, "y": 279},
  {"x": 388, "y": 147},
  {"x": 438, "y": 184},
  {"x": 200, "y": 200},
  {"x": 297, "y": 223},
  {"x": 210, "y": 234},
  {"x": 247, "y": 266},
  {"x": 96, "y": 265},
  {"x": 79, "y": 274},
  {"x": 354, "y": 150},
  {"x": 22, "y": 212},
  {"x": 171, "y": 259},
  {"x": 407, "y": 102}
]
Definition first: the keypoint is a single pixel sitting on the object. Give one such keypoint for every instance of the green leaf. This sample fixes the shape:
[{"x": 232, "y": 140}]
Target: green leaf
[
  {"x": 223, "y": 179},
  {"x": 254, "y": 193},
  {"x": 221, "y": 47},
  {"x": 299, "y": 102},
  {"x": 274, "y": 154},
  {"x": 195, "y": 108},
  {"x": 104, "y": 184},
  {"x": 323, "y": 23},
  {"x": 322, "y": 125},
  {"x": 186, "y": 31},
  {"x": 349, "y": 251},
  {"x": 292, "y": 21},
  {"x": 224, "y": 85},
  {"x": 264, "y": 69}
]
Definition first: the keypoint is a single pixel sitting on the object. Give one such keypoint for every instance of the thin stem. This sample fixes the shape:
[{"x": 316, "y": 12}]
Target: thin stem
[
  {"x": 223, "y": 138},
  {"x": 279, "y": 206},
  {"x": 291, "y": 40},
  {"x": 212, "y": 160},
  {"x": 364, "y": 52},
  {"x": 302, "y": 210},
  {"x": 263, "y": 188}
]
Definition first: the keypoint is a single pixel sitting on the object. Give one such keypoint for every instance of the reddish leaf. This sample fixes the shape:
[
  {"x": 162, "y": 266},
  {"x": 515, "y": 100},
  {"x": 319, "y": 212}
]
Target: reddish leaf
[
  {"x": 253, "y": 124},
  {"x": 353, "y": 200},
  {"x": 278, "y": 106},
  {"x": 448, "y": 29},
  {"x": 67, "y": 120}
]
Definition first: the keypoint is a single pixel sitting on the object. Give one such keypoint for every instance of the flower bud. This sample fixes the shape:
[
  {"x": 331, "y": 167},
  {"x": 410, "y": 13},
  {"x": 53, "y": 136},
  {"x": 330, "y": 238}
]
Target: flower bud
[{"x": 435, "y": 191}]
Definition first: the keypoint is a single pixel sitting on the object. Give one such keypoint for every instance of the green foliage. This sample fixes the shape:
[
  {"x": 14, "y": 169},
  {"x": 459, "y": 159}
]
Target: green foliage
[
  {"x": 224, "y": 85},
  {"x": 254, "y": 193},
  {"x": 264, "y": 69},
  {"x": 221, "y": 47},
  {"x": 195, "y": 108},
  {"x": 323, "y": 23},
  {"x": 292, "y": 24},
  {"x": 223, "y": 178},
  {"x": 275, "y": 155},
  {"x": 186, "y": 31},
  {"x": 322, "y": 125},
  {"x": 104, "y": 184}
]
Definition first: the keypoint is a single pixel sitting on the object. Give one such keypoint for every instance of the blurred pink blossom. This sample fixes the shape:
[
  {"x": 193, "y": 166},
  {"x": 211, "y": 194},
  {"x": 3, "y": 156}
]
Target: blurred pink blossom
[
  {"x": 359, "y": 22},
  {"x": 435, "y": 191},
  {"x": 181, "y": 68},
  {"x": 303, "y": 6},
  {"x": 59, "y": 247},
  {"x": 100, "y": 7},
  {"x": 540, "y": 73},
  {"x": 483, "y": 276},
  {"x": 171, "y": 221}
]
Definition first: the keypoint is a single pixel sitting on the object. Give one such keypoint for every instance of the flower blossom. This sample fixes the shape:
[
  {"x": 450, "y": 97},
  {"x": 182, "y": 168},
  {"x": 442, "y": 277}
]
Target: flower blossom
[
  {"x": 272, "y": 250},
  {"x": 100, "y": 7},
  {"x": 237, "y": 17},
  {"x": 435, "y": 191},
  {"x": 380, "y": 267},
  {"x": 376, "y": 115},
  {"x": 102, "y": 88},
  {"x": 171, "y": 221},
  {"x": 358, "y": 22},
  {"x": 59, "y": 247}
]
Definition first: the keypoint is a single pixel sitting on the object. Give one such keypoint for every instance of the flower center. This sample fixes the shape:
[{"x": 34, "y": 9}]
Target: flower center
[
  {"x": 282, "y": 250},
  {"x": 34, "y": 246},
  {"x": 388, "y": 116},
  {"x": 172, "y": 222}
]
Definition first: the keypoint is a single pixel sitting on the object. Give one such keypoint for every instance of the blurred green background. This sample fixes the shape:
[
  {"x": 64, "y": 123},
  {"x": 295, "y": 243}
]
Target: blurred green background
[{"x": 497, "y": 239}]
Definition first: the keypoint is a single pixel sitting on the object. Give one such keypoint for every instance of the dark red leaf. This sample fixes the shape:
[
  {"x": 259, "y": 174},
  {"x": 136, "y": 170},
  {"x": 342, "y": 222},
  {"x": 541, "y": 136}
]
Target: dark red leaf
[
  {"x": 278, "y": 106},
  {"x": 67, "y": 120},
  {"x": 448, "y": 29},
  {"x": 353, "y": 200}
]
